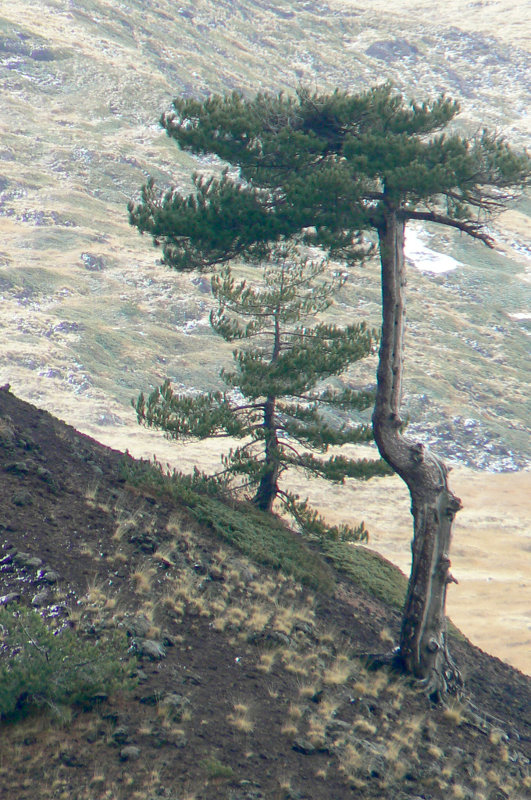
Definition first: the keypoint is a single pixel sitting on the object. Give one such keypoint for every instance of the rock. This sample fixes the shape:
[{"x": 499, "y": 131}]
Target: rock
[
  {"x": 144, "y": 541},
  {"x": 216, "y": 574},
  {"x": 138, "y": 626},
  {"x": 269, "y": 639},
  {"x": 50, "y": 576},
  {"x": 92, "y": 262},
  {"x": 338, "y": 726},
  {"x": 150, "y": 648},
  {"x": 17, "y": 467},
  {"x": 27, "y": 560},
  {"x": 40, "y": 599},
  {"x": 99, "y": 697},
  {"x": 12, "y": 597},
  {"x": 179, "y": 739},
  {"x": 71, "y": 759},
  {"x": 174, "y": 705},
  {"x": 129, "y": 753},
  {"x": 45, "y": 475},
  {"x": 120, "y": 735},
  {"x": 22, "y": 498},
  {"x": 305, "y": 747},
  {"x": 192, "y": 678},
  {"x": 149, "y": 699},
  {"x": 203, "y": 284}
]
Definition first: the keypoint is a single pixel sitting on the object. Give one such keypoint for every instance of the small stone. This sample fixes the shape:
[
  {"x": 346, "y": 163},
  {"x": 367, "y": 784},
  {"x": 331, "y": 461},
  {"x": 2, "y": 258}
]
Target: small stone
[
  {"x": 120, "y": 735},
  {"x": 12, "y": 597},
  {"x": 50, "y": 576},
  {"x": 150, "y": 648},
  {"x": 22, "y": 498},
  {"x": 129, "y": 753},
  {"x": 27, "y": 560},
  {"x": 6, "y": 559},
  {"x": 40, "y": 599}
]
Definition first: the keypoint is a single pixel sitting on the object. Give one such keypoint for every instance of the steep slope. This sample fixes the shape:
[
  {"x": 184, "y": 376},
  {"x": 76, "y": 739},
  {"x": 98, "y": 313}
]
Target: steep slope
[{"x": 248, "y": 684}]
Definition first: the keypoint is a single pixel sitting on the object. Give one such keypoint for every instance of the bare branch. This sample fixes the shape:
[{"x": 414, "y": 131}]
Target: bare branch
[{"x": 474, "y": 229}]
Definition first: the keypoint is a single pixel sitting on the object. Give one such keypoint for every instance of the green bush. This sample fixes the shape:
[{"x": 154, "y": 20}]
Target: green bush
[
  {"x": 369, "y": 570},
  {"x": 260, "y": 535},
  {"x": 43, "y": 667},
  {"x": 215, "y": 769}
]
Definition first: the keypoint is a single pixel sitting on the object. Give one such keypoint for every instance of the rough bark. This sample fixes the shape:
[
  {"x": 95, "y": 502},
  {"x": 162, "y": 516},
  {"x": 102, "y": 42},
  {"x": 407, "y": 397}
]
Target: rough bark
[
  {"x": 423, "y": 645},
  {"x": 268, "y": 487}
]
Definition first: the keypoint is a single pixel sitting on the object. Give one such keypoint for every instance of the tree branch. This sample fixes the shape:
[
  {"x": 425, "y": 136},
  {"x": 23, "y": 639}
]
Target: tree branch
[{"x": 474, "y": 229}]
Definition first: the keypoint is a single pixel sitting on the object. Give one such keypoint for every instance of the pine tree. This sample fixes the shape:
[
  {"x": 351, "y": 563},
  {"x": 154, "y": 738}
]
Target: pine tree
[
  {"x": 326, "y": 167},
  {"x": 278, "y": 394}
]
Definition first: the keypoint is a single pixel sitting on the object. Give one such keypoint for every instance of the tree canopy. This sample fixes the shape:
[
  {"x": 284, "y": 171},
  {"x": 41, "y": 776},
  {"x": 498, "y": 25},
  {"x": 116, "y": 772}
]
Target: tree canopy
[
  {"x": 278, "y": 395},
  {"x": 323, "y": 168}
]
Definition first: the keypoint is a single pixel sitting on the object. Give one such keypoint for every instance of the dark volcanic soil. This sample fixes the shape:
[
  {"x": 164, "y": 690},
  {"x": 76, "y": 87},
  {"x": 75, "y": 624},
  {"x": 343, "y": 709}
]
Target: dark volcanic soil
[{"x": 249, "y": 716}]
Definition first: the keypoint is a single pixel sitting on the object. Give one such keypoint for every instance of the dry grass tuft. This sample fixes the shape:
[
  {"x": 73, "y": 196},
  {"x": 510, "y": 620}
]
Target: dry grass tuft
[
  {"x": 289, "y": 729},
  {"x": 454, "y": 714},
  {"x": 142, "y": 578},
  {"x": 267, "y": 661},
  {"x": 338, "y": 673},
  {"x": 241, "y": 718}
]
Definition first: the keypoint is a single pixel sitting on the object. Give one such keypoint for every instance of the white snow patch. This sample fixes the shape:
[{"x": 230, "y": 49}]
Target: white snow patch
[
  {"x": 525, "y": 316},
  {"x": 424, "y": 258}
]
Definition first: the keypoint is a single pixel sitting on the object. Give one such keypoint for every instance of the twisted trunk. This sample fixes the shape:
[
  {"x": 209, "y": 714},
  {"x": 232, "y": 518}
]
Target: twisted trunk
[{"x": 423, "y": 645}]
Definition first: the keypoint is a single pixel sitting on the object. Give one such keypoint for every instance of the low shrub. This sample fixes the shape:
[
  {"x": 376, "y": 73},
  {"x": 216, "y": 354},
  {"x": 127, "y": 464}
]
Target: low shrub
[
  {"x": 40, "y": 666},
  {"x": 262, "y": 536}
]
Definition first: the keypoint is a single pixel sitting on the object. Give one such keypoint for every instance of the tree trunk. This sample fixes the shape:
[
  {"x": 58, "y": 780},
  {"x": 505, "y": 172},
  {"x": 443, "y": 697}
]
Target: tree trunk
[
  {"x": 423, "y": 645},
  {"x": 268, "y": 486}
]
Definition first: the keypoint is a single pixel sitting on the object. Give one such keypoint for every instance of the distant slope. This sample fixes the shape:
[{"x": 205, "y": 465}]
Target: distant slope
[{"x": 87, "y": 316}]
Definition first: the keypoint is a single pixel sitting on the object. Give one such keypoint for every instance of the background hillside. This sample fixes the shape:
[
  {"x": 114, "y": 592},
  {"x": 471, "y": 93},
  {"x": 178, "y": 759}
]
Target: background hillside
[{"x": 88, "y": 317}]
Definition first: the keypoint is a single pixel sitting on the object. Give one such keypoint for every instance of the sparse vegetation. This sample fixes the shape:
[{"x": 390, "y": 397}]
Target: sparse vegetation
[
  {"x": 237, "y": 661},
  {"x": 264, "y": 538}
]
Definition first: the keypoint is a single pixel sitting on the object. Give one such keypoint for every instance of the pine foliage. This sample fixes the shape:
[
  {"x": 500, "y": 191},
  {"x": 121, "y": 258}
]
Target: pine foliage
[
  {"x": 323, "y": 165},
  {"x": 42, "y": 667},
  {"x": 277, "y": 397}
]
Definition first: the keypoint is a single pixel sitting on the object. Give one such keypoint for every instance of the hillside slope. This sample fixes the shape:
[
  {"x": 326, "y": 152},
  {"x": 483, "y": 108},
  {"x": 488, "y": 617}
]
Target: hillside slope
[
  {"x": 89, "y": 318},
  {"x": 248, "y": 683}
]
